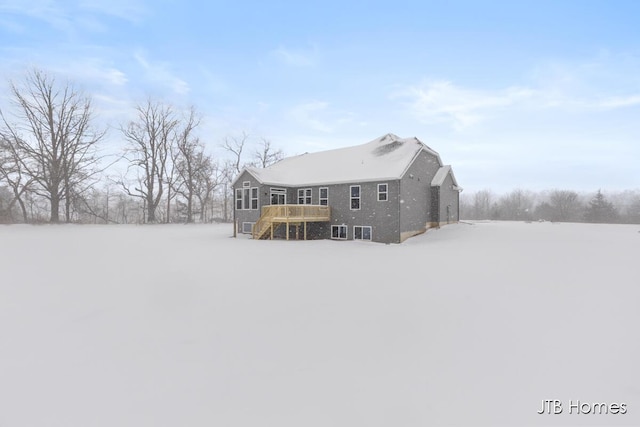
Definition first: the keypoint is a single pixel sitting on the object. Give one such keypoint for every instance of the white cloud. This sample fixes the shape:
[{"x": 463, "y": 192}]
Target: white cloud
[
  {"x": 462, "y": 107},
  {"x": 129, "y": 10},
  {"x": 607, "y": 83},
  {"x": 296, "y": 58},
  {"x": 94, "y": 70},
  {"x": 307, "y": 115},
  {"x": 161, "y": 74},
  {"x": 619, "y": 102}
]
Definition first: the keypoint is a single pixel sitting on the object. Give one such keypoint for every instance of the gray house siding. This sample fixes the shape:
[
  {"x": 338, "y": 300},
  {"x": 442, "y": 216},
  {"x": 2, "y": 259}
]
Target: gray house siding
[
  {"x": 449, "y": 202},
  {"x": 381, "y": 216},
  {"x": 416, "y": 205},
  {"x": 247, "y": 215}
]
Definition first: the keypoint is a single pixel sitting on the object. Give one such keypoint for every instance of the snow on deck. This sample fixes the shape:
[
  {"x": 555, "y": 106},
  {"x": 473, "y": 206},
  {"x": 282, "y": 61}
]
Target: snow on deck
[
  {"x": 383, "y": 158},
  {"x": 159, "y": 326}
]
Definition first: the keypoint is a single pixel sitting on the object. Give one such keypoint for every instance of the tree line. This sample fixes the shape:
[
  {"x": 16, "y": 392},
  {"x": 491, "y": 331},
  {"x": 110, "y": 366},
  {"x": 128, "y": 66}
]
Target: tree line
[
  {"x": 552, "y": 205},
  {"x": 53, "y": 167}
]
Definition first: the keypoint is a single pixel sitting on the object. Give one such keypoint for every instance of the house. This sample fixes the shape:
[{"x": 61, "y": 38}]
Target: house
[{"x": 386, "y": 190}]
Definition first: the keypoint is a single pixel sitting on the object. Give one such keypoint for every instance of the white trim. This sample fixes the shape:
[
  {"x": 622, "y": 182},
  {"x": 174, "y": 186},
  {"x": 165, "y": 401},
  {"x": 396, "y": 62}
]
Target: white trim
[
  {"x": 320, "y": 199},
  {"x": 238, "y": 199},
  {"x": 242, "y": 230},
  {"x": 385, "y": 192},
  {"x": 257, "y": 199},
  {"x": 351, "y": 198},
  {"x": 306, "y": 195},
  {"x": 346, "y": 232},
  {"x": 362, "y": 227},
  {"x": 278, "y": 191},
  {"x": 246, "y": 184},
  {"x": 246, "y": 198}
]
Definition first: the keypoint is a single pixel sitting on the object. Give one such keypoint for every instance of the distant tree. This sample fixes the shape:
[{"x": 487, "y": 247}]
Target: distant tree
[
  {"x": 148, "y": 149},
  {"x": 266, "y": 155},
  {"x": 53, "y": 136},
  {"x": 235, "y": 146},
  {"x": 600, "y": 210},
  {"x": 633, "y": 211},
  {"x": 13, "y": 176},
  {"x": 544, "y": 211},
  {"x": 516, "y": 205},
  {"x": 565, "y": 205},
  {"x": 482, "y": 201}
]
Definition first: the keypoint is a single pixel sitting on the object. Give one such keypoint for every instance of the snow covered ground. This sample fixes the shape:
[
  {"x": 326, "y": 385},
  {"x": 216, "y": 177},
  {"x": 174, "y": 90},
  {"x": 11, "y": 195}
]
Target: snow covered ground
[{"x": 184, "y": 326}]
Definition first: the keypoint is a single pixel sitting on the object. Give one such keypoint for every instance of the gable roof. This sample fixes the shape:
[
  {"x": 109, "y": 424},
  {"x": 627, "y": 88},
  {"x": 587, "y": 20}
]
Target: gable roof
[
  {"x": 441, "y": 175},
  {"x": 384, "y": 158}
]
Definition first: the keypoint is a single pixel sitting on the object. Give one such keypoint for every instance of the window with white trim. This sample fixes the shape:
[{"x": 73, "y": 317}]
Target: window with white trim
[
  {"x": 361, "y": 232},
  {"x": 323, "y": 196},
  {"x": 339, "y": 232},
  {"x": 254, "y": 198},
  {"x": 383, "y": 192},
  {"x": 247, "y": 227},
  {"x": 246, "y": 196},
  {"x": 278, "y": 196},
  {"x": 304, "y": 196},
  {"x": 354, "y": 190},
  {"x": 238, "y": 199}
]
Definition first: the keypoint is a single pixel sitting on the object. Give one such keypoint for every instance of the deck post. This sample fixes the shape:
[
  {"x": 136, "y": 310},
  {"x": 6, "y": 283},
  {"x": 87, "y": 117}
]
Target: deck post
[
  {"x": 272, "y": 230},
  {"x": 305, "y": 229},
  {"x": 287, "y": 230}
]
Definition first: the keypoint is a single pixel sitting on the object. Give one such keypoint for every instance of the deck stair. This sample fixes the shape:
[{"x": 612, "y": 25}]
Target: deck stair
[{"x": 274, "y": 216}]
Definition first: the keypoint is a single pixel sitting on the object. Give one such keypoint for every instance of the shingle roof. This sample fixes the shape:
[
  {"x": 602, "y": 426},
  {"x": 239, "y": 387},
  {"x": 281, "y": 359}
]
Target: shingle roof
[
  {"x": 441, "y": 175},
  {"x": 387, "y": 157}
]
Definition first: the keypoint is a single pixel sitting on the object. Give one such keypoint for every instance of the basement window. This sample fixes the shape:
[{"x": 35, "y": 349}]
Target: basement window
[
  {"x": 362, "y": 232},
  {"x": 339, "y": 232}
]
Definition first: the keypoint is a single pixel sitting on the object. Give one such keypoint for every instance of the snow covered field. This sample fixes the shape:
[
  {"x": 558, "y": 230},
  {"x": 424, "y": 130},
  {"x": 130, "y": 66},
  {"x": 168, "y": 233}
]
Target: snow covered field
[{"x": 184, "y": 326}]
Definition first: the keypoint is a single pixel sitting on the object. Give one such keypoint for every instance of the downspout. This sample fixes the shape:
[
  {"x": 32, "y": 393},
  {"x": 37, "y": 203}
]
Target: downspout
[{"x": 399, "y": 209}]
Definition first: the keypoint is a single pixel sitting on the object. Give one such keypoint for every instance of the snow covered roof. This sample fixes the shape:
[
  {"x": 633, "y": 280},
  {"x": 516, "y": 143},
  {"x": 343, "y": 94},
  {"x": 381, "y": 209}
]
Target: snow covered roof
[
  {"x": 387, "y": 157},
  {"x": 441, "y": 175}
]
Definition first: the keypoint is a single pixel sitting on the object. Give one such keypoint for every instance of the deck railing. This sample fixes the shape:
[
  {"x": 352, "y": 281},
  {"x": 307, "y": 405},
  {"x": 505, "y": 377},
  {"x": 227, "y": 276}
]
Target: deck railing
[{"x": 287, "y": 214}]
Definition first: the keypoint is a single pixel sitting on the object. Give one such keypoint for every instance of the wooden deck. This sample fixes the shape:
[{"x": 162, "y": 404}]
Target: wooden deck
[{"x": 274, "y": 215}]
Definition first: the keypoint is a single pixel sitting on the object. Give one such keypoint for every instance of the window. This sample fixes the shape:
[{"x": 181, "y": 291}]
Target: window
[
  {"x": 304, "y": 196},
  {"x": 339, "y": 232},
  {"x": 278, "y": 196},
  {"x": 323, "y": 196},
  {"x": 247, "y": 227},
  {"x": 383, "y": 192},
  {"x": 355, "y": 197},
  {"x": 362, "y": 232},
  {"x": 238, "y": 199},
  {"x": 254, "y": 198},
  {"x": 246, "y": 184},
  {"x": 245, "y": 198}
]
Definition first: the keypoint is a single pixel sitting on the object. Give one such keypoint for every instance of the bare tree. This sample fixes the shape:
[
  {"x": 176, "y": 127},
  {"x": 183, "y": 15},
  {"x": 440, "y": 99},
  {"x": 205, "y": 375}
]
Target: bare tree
[
  {"x": 235, "y": 146},
  {"x": 482, "y": 204},
  {"x": 565, "y": 205},
  {"x": 516, "y": 205},
  {"x": 12, "y": 175},
  {"x": 53, "y": 137},
  {"x": 148, "y": 150},
  {"x": 190, "y": 161},
  {"x": 265, "y": 155}
]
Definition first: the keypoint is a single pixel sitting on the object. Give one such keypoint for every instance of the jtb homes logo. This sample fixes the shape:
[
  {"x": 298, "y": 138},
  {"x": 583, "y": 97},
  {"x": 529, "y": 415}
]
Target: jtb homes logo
[{"x": 555, "y": 407}]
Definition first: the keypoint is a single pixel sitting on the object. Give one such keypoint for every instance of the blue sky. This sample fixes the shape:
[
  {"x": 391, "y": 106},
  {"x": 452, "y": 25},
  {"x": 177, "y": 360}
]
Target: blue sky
[{"x": 513, "y": 94}]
